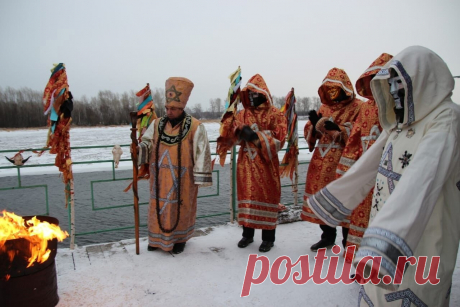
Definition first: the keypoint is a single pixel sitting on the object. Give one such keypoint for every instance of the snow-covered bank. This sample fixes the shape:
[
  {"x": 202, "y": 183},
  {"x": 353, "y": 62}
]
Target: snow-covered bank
[{"x": 210, "y": 272}]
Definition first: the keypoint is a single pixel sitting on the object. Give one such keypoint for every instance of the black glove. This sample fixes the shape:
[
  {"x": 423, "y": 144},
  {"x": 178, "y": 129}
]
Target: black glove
[
  {"x": 247, "y": 134},
  {"x": 67, "y": 106},
  {"x": 314, "y": 117},
  {"x": 328, "y": 125}
]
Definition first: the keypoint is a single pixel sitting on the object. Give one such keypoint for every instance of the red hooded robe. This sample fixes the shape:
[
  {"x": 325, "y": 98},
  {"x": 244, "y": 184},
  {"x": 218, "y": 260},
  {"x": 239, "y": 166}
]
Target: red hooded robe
[
  {"x": 258, "y": 179},
  {"x": 322, "y": 168}
]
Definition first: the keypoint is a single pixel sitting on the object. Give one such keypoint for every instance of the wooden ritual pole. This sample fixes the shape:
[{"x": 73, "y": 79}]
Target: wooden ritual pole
[
  {"x": 134, "y": 144},
  {"x": 72, "y": 214},
  {"x": 295, "y": 186},
  {"x": 296, "y": 172},
  {"x": 232, "y": 196}
]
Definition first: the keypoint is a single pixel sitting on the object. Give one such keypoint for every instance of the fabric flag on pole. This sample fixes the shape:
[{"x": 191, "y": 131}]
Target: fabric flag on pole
[
  {"x": 288, "y": 165},
  {"x": 145, "y": 116},
  {"x": 227, "y": 122},
  {"x": 58, "y": 105},
  {"x": 145, "y": 110}
]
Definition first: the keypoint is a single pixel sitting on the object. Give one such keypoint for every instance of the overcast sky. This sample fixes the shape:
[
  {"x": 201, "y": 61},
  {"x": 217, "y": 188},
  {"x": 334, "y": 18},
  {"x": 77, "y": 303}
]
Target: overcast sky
[{"x": 121, "y": 45}]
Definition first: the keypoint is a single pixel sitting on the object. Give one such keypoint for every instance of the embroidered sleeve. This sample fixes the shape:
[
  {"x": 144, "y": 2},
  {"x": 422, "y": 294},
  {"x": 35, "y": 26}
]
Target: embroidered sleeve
[
  {"x": 352, "y": 150},
  {"x": 366, "y": 129},
  {"x": 338, "y": 199},
  {"x": 309, "y": 137},
  {"x": 202, "y": 169},
  {"x": 345, "y": 131},
  {"x": 145, "y": 147},
  {"x": 271, "y": 141}
]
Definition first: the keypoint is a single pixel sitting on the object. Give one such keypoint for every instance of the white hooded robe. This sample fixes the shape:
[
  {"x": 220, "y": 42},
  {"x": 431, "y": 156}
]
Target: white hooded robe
[{"x": 415, "y": 171}]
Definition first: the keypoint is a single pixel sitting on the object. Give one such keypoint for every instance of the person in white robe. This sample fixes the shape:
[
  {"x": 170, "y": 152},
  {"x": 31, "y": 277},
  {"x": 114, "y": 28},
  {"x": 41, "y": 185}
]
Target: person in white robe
[{"x": 414, "y": 167}]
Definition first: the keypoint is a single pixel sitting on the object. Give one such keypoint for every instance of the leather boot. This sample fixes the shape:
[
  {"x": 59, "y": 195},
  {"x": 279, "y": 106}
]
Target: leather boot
[
  {"x": 265, "y": 246},
  {"x": 178, "y": 248},
  {"x": 245, "y": 242},
  {"x": 321, "y": 244}
]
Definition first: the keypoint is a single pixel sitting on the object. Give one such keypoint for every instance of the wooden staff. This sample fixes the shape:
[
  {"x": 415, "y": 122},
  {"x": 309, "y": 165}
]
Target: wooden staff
[
  {"x": 134, "y": 144},
  {"x": 296, "y": 172},
  {"x": 72, "y": 214},
  {"x": 232, "y": 199},
  {"x": 295, "y": 187}
]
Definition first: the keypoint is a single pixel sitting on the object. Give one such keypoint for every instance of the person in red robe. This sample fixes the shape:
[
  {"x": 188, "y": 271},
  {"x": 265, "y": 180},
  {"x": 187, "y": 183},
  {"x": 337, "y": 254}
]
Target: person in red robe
[
  {"x": 331, "y": 127},
  {"x": 365, "y": 132},
  {"x": 260, "y": 129}
]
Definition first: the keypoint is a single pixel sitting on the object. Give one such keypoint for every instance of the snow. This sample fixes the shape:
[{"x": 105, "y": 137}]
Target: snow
[
  {"x": 16, "y": 140},
  {"x": 210, "y": 272}
]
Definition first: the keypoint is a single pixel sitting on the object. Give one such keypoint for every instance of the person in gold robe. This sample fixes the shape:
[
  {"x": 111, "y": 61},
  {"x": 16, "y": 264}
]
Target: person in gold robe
[
  {"x": 331, "y": 127},
  {"x": 176, "y": 148}
]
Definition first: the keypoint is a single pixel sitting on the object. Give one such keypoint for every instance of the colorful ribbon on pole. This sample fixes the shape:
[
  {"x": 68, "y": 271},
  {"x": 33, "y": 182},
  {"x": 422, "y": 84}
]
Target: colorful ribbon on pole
[
  {"x": 145, "y": 110},
  {"x": 289, "y": 163},
  {"x": 145, "y": 116},
  {"x": 227, "y": 138}
]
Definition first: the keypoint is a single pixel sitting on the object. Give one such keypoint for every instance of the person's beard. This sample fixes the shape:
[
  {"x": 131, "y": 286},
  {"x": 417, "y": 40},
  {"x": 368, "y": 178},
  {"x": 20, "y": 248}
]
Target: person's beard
[{"x": 175, "y": 121}]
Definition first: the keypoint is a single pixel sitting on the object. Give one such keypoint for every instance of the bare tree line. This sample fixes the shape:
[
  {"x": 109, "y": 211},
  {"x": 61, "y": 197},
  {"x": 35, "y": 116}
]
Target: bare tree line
[
  {"x": 216, "y": 107},
  {"x": 22, "y": 108},
  {"x": 303, "y": 104}
]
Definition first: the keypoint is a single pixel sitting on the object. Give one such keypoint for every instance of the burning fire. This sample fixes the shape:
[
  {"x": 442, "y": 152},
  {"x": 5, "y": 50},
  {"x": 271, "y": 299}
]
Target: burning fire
[{"x": 36, "y": 232}]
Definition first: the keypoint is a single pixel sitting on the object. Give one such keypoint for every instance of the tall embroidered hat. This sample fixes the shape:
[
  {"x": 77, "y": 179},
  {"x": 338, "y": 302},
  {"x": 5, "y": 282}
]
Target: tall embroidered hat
[{"x": 177, "y": 91}]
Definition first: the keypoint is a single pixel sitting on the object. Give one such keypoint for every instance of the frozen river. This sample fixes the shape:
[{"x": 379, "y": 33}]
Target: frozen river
[{"x": 90, "y": 136}]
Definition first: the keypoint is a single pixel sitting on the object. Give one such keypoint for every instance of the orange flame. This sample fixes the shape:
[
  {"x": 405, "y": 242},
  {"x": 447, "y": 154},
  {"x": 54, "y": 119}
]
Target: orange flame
[{"x": 36, "y": 232}]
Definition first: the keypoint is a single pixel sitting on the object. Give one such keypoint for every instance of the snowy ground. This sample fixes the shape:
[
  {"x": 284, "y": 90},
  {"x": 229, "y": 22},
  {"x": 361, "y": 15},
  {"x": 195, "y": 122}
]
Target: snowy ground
[
  {"x": 210, "y": 272},
  {"x": 94, "y": 136}
]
